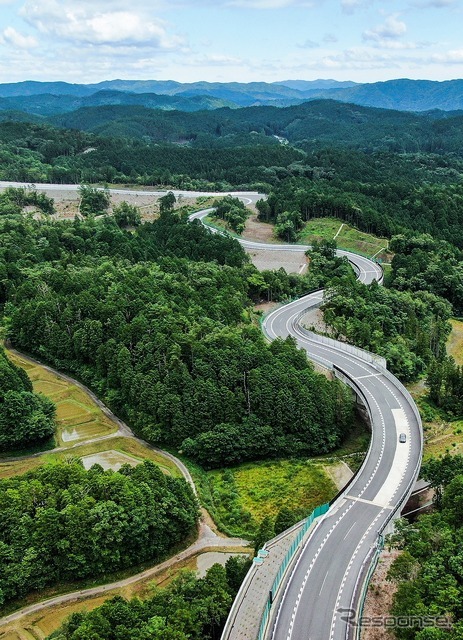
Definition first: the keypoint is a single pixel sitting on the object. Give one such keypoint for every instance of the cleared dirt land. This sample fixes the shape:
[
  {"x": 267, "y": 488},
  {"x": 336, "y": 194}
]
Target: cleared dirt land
[
  {"x": 291, "y": 262},
  {"x": 67, "y": 202}
]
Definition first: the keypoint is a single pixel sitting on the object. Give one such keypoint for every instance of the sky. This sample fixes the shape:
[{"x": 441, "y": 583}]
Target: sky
[{"x": 87, "y": 41}]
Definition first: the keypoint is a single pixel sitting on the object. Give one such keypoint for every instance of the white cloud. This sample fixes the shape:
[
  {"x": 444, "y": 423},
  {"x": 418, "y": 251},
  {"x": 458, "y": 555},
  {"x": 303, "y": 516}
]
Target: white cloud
[
  {"x": 357, "y": 58},
  {"x": 10, "y": 36},
  {"x": 451, "y": 57},
  {"x": 309, "y": 44},
  {"x": 270, "y": 4},
  {"x": 434, "y": 4},
  {"x": 79, "y": 24},
  {"x": 349, "y": 6},
  {"x": 329, "y": 38},
  {"x": 391, "y": 29},
  {"x": 216, "y": 60}
]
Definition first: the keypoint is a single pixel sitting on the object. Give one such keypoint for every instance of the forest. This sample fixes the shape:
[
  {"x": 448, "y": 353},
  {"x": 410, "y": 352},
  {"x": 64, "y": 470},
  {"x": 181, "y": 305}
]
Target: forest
[
  {"x": 187, "y": 609},
  {"x": 158, "y": 323},
  {"x": 408, "y": 329},
  {"x": 429, "y": 571},
  {"x": 61, "y": 523}
]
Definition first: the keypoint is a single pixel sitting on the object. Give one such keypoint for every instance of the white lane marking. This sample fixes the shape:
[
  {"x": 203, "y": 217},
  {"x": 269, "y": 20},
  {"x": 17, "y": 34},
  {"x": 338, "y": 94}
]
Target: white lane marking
[
  {"x": 323, "y": 584},
  {"x": 349, "y": 566},
  {"x": 376, "y": 504},
  {"x": 349, "y": 530}
]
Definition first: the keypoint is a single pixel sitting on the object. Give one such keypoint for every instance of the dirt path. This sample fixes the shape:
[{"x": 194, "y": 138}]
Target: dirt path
[{"x": 207, "y": 540}]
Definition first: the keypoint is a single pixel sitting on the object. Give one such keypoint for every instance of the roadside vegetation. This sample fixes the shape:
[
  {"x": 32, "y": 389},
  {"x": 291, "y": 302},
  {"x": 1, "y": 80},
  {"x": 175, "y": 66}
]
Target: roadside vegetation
[
  {"x": 187, "y": 609},
  {"x": 62, "y": 523},
  {"x": 243, "y": 496},
  {"x": 428, "y": 571}
]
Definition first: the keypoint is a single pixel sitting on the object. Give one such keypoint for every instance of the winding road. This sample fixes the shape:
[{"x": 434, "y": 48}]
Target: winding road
[
  {"x": 324, "y": 583},
  {"x": 321, "y": 595}
]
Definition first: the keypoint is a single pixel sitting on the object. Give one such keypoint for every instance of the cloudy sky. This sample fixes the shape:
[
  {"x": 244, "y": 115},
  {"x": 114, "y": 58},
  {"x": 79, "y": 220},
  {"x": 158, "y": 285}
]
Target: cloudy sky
[{"x": 230, "y": 40}]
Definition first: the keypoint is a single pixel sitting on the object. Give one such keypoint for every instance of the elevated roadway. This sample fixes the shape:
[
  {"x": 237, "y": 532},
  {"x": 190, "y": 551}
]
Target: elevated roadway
[{"x": 321, "y": 596}]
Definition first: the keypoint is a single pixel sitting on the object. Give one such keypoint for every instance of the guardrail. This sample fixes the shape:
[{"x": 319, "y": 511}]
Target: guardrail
[
  {"x": 362, "y": 354},
  {"x": 316, "y": 513}
]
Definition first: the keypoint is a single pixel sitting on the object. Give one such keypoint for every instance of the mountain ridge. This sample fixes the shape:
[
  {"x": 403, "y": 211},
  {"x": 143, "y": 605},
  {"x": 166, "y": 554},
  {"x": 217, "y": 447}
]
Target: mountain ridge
[{"x": 401, "y": 94}]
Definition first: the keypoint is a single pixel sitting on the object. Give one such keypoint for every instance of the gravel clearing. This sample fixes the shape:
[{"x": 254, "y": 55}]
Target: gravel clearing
[{"x": 291, "y": 262}]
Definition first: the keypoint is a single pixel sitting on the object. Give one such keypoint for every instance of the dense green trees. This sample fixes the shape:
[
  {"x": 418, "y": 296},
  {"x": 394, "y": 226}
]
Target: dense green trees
[
  {"x": 33, "y": 153},
  {"x": 409, "y": 330},
  {"x": 168, "y": 341},
  {"x": 93, "y": 201},
  {"x": 422, "y": 263},
  {"x": 429, "y": 572},
  {"x": 232, "y": 211},
  {"x": 168, "y": 347},
  {"x": 384, "y": 194},
  {"x": 13, "y": 200},
  {"x": 62, "y": 523},
  {"x": 26, "y": 418},
  {"x": 127, "y": 215},
  {"x": 445, "y": 383},
  {"x": 187, "y": 609}
]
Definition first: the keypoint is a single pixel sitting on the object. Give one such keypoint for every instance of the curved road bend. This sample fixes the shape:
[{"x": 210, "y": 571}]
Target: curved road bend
[{"x": 324, "y": 579}]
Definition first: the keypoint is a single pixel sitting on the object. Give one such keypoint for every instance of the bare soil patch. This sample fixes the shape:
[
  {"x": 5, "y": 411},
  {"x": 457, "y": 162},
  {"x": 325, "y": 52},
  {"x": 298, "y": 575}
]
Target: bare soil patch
[
  {"x": 340, "y": 473},
  {"x": 67, "y": 203},
  {"x": 313, "y": 321},
  {"x": 292, "y": 262},
  {"x": 259, "y": 231}
]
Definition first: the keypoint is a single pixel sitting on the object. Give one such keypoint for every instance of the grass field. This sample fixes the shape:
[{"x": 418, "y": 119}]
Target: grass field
[
  {"x": 347, "y": 238},
  {"x": 455, "y": 341},
  {"x": 240, "y": 497},
  {"x": 244, "y": 495}
]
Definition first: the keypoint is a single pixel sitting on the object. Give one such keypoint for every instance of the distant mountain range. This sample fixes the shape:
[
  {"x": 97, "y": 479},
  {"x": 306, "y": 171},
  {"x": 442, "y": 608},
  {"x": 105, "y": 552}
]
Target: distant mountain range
[
  {"x": 52, "y": 98},
  {"x": 49, "y": 104}
]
